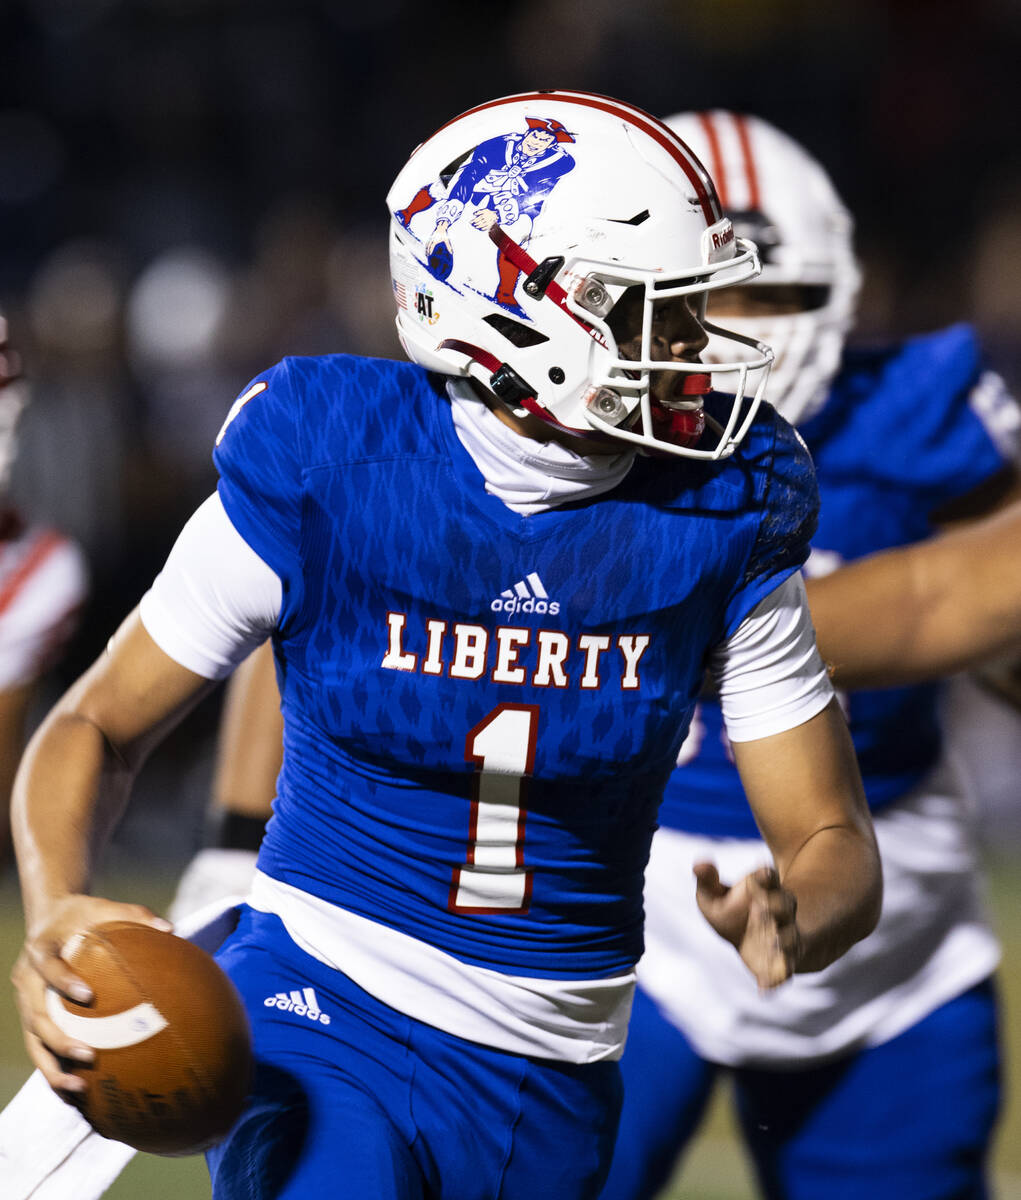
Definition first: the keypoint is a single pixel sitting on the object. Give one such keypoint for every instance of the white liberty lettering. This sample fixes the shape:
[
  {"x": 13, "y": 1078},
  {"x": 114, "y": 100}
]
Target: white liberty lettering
[
  {"x": 433, "y": 664},
  {"x": 471, "y": 644},
  {"x": 553, "y": 650},
  {"x": 556, "y": 661},
  {"x": 395, "y": 659},
  {"x": 593, "y": 645},
  {"x": 632, "y": 648},
  {"x": 509, "y": 642}
]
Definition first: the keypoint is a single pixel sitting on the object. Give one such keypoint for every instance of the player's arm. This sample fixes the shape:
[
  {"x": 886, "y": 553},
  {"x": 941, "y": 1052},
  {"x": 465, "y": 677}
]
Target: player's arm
[
  {"x": 250, "y": 746},
  {"x": 797, "y": 765},
  {"x": 249, "y": 753},
  {"x": 925, "y": 610},
  {"x": 70, "y": 790},
  {"x": 214, "y": 601},
  {"x": 14, "y": 705},
  {"x": 805, "y": 791}
]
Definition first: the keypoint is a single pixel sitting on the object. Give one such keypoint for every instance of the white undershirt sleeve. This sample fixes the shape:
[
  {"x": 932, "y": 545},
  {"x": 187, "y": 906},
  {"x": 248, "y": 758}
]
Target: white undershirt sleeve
[
  {"x": 769, "y": 674},
  {"x": 215, "y": 599}
]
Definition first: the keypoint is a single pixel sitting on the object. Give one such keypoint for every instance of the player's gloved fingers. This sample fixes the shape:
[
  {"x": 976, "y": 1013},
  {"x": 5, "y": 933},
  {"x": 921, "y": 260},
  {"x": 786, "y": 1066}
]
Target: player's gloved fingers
[
  {"x": 767, "y": 878},
  {"x": 781, "y": 905},
  {"x": 765, "y": 953},
  {"x": 52, "y": 1068},
  {"x": 64, "y": 1047},
  {"x": 49, "y": 1047},
  {"x": 42, "y": 956},
  {"x": 707, "y": 881}
]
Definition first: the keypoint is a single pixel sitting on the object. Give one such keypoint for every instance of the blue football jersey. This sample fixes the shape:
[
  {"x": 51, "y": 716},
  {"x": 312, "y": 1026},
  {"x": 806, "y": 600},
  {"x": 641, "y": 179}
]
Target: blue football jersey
[
  {"x": 481, "y": 709},
  {"x": 904, "y": 431}
]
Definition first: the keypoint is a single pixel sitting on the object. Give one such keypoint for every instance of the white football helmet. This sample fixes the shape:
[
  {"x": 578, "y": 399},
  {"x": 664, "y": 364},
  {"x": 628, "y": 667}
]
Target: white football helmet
[
  {"x": 518, "y": 226},
  {"x": 13, "y": 399},
  {"x": 776, "y": 193}
]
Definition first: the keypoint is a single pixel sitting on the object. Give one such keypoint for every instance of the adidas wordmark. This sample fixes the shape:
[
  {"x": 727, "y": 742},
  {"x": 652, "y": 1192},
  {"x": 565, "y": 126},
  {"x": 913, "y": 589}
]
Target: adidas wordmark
[
  {"x": 527, "y": 595},
  {"x": 302, "y": 1004}
]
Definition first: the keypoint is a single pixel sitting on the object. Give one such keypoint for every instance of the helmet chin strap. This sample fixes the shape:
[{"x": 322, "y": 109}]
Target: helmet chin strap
[
  {"x": 505, "y": 383},
  {"x": 508, "y": 385},
  {"x": 684, "y": 427}
]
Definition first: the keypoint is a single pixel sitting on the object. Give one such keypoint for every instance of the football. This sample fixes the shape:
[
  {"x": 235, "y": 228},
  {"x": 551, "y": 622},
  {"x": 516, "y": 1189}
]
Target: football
[{"x": 173, "y": 1048}]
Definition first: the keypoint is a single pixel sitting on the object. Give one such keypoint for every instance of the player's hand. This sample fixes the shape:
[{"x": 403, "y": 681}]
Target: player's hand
[
  {"x": 757, "y": 916},
  {"x": 40, "y": 966}
]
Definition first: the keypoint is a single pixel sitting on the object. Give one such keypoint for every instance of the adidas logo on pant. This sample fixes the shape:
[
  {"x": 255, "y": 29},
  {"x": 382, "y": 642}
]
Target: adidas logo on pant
[
  {"x": 302, "y": 1004},
  {"x": 527, "y": 595}
]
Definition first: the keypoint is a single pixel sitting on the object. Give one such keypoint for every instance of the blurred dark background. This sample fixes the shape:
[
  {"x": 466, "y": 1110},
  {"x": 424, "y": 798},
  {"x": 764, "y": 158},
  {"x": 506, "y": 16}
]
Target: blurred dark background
[{"x": 190, "y": 189}]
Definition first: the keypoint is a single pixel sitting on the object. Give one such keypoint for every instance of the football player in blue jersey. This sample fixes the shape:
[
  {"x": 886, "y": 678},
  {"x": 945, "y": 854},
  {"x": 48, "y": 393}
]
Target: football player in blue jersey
[
  {"x": 879, "y": 1075},
  {"x": 493, "y": 578}
]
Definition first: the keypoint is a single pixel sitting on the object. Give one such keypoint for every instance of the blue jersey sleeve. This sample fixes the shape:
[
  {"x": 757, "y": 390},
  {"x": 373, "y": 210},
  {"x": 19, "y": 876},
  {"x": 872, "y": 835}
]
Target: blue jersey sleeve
[
  {"x": 789, "y": 510},
  {"x": 937, "y": 422},
  {"x": 968, "y": 423},
  {"x": 259, "y": 457}
]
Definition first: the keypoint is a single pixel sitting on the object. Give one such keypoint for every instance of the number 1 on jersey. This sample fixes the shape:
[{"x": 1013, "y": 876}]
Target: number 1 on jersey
[{"x": 493, "y": 879}]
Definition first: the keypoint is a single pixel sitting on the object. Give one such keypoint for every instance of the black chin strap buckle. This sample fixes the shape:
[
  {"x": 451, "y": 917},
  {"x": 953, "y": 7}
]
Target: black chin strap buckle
[
  {"x": 509, "y": 386},
  {"x": 543, "y": 275}
]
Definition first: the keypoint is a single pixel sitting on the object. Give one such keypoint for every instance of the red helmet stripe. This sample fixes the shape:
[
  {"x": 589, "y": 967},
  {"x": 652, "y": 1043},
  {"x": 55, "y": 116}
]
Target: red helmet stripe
[
  {"x": 718, "y": 173},
  {"x": 660, "y": 133},
  {"x": 520, "y": 257},
  {"x": 744, "y": 139}
]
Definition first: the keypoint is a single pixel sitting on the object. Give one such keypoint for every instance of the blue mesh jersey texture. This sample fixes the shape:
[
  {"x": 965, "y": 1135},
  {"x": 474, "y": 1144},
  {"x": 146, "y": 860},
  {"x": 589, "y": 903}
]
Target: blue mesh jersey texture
[
  {"x": 472, "y": 696},
  {"x": 896, "y": 439}
]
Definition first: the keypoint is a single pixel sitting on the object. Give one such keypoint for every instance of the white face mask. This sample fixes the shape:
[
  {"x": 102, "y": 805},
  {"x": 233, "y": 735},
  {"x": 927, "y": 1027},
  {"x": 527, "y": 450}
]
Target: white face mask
[{"x": 807, "y": 347}]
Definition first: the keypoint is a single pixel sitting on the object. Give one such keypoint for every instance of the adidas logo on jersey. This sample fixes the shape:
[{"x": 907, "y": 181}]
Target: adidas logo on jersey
[
  {"x": 527, "y": 595},
  {"x": 302, "y": 1004}
]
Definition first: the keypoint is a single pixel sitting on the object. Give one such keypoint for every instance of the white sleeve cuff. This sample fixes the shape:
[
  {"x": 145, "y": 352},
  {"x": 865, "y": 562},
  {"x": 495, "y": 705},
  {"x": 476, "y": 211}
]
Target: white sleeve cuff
[
  {"x": 215, "y": 599},
  {"x": 769, "y": 673}
]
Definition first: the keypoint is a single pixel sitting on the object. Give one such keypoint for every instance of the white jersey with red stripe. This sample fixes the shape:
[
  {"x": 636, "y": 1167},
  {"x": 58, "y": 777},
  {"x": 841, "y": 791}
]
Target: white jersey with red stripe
[{"x": 43, "y": 583}]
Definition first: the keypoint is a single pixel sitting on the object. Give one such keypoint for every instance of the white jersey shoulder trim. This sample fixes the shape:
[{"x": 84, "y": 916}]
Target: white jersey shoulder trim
[
  {"x": 769, "y": 674},
  {"x": 215, "y": 599}
]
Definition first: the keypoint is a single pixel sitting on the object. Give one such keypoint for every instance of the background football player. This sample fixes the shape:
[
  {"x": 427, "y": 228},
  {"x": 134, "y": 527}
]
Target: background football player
[{"x": 879, "y": 1075}]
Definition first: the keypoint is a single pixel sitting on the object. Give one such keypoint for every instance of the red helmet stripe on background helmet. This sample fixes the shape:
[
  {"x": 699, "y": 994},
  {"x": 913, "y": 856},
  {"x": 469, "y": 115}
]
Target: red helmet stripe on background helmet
[
  {"x": 716, "y": 169},
  {"x": 724, "y": 185},
  {"x": 660, "y": 133},
  {"x": 752, "y": 174}
]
